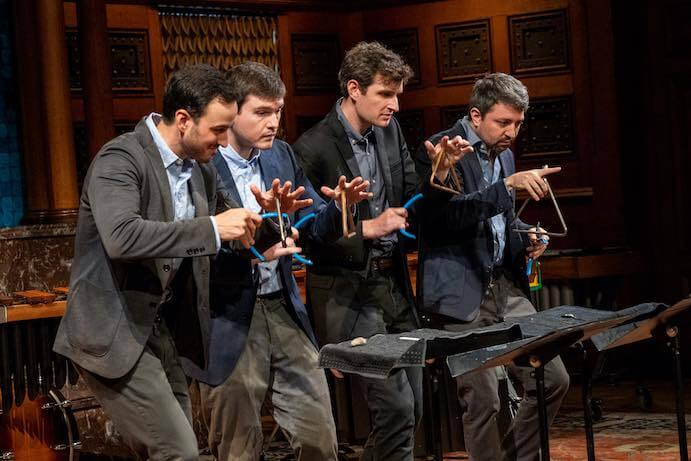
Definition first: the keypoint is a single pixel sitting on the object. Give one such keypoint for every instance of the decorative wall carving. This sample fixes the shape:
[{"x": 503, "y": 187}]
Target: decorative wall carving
[
  {"x": 548, "y": 131},
  {"x": 450, "y": 114},
  {"x": 316, "y": 60},
  {"x": 463, "y": 50},
  {"x": 405, "y": 43},
  {"x": 129, "y": 55},
  {"x": 220, "y": 40},
  {"x": 413, "y": 127},
  {"x": 539, "y": 42}
]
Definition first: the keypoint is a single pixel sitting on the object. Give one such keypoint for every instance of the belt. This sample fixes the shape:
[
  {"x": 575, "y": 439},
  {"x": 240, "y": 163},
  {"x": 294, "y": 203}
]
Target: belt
[
  {"x": 271, "y": 296},
  {"x": 381, "y": 264}
]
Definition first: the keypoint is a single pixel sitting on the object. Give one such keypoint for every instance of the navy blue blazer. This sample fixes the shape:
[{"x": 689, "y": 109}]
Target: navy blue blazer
[
  {"x": 456, "y": 244},
  {"x": 233, "y": 284}
]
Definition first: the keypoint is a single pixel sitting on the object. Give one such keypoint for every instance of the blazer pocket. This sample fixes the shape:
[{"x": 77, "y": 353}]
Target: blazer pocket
[{"x": 92, "y": 318}]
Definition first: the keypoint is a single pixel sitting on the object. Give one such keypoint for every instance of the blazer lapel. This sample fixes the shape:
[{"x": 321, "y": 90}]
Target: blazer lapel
[
  {"x": 154, "y": 157},
  {"x": 506, "y": 170},
  {"x": 226, "y": 177},
  {"x": 343, "y": 144},
  {"x": 385, "y": 167},
  {"x": 475, "y": 170},
  {"x": 198, "y": 192},
  {"x": 269, "y": 169}
]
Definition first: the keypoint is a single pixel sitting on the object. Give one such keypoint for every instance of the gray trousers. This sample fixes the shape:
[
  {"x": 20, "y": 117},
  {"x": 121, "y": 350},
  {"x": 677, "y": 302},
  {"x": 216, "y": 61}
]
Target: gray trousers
[
  {"x": 478, "y": 391},
  {"x": 279, "y": 361},
  {"x": 356, "y": 305},
  {"x": 150, "y": 406}
]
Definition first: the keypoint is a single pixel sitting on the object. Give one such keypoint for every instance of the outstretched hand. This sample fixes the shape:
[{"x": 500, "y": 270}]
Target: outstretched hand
[
  {"x": 290, "y": 201},
  {"x": 355, "y": 190},
  {"x": 447, "y": 152},
  {"x": 532, "y": 181}
]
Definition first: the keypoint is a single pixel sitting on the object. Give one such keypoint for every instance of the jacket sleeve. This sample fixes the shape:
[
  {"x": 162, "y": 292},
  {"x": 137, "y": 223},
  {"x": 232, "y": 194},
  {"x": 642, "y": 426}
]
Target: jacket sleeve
[
  {"x": 115, "y": 194},
  {"x": 460, "y": 211}
]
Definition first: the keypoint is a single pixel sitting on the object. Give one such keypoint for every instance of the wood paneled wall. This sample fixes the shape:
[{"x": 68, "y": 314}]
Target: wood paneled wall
[{"x": 136, "y": 30}]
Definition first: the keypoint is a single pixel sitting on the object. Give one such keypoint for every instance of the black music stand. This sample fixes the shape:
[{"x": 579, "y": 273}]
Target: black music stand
[
  {"x": 382, "y": 354},
  {"x": 663, "y": 326},
  {"x": 552, "y": 331}
]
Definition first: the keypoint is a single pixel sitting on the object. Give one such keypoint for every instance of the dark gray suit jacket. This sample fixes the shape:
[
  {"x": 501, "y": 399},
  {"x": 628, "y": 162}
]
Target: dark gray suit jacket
[
  {"x": 124, "y": 248},
  {"x": 456, "y": 243}
]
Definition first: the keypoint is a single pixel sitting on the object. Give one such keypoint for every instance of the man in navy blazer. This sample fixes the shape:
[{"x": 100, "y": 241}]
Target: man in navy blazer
[
  {"x": 472, "y": 265},
  {"x": 261, "y": 340}
]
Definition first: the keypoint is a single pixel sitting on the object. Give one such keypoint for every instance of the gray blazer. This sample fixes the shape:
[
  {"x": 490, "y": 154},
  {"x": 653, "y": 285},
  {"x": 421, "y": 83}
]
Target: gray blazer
[{"x": 124, "y": 248}]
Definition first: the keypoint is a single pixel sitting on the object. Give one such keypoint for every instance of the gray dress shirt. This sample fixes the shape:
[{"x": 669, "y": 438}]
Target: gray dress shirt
[{"x": 365, "y": 150}]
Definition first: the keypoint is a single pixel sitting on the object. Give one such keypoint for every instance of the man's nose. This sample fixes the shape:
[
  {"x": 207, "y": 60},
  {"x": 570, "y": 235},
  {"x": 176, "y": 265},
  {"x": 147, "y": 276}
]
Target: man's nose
[{"x": 393, "y": 104}]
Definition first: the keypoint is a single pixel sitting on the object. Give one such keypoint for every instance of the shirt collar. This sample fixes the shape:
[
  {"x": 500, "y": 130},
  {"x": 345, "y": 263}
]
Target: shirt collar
[
  {"x": 352, "y": 134},
  {"x": 236, "y": 160},
  {"x": 474, "y": 140},
  {"x": 167, "y": 155}
]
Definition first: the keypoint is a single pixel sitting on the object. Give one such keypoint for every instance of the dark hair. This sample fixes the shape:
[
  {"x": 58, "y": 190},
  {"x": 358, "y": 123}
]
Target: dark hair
[
  {"x": 498, "y": 88},
  {"x": 255, "y": 78},
  {"x": 367, "y": 59},
  {"x": 193, "y": 88}
]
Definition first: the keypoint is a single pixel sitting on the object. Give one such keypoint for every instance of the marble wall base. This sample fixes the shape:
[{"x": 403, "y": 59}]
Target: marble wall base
[{"x": 35, "y": 257}]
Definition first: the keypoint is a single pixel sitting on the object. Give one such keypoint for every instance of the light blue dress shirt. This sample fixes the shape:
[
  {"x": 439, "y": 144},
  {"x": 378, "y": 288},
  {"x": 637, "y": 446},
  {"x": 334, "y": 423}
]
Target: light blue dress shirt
[
  {"x": 245, "y": 173},
  {"x": 491, "y": 172},
  {"x": 179, "y": 172}
]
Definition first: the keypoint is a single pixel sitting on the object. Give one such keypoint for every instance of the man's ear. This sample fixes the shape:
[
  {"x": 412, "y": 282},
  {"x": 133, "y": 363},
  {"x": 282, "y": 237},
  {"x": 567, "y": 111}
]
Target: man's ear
[
  {"x": 353, "y": 89},
  {"x": 475, "y": 116},
  {"x": 182, "y": 119}
]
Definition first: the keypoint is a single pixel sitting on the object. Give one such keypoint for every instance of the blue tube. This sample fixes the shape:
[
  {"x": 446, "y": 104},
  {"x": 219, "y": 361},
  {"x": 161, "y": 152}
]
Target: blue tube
[
  {"x": 303, "y": 220},
  {"x": 273, "y": 214},
  {"x": 407, "y": 205},
  {"x": 256, "y": 253},
  {"x": 303, "y": 260}
]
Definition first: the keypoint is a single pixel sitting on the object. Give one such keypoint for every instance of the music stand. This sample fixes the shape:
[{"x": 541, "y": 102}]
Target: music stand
[
  {"x": 552, "y": 331},
  {"x": 663, "y": 326}
]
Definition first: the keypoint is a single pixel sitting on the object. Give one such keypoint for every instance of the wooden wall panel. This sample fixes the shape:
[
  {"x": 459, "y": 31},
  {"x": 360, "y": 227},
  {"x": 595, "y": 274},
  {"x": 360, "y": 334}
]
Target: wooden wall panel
[
  {"x": 136, "y": 37},
  {"x": 346, "y": 28}
]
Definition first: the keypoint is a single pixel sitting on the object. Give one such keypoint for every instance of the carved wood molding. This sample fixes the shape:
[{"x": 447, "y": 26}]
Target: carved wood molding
[
  {"x": 221, "y": 40},
  {"x": 131, "y": 67},
  {"x": 539, "y": 42},
  {"x": 464, "y": 51},
  {"x": 316, "y": 60},
  {"x": 451, "y": 114},
  {"x": 405, "y": 43},
  {"x": 548, "y": 130}
]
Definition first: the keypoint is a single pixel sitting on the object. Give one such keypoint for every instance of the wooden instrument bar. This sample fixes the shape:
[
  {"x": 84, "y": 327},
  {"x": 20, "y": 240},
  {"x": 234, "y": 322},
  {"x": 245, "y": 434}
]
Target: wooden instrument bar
[{"x": 21, "y": 312}]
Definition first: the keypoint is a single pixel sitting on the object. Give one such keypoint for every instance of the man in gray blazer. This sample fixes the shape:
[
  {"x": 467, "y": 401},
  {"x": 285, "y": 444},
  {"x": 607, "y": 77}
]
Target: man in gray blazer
[{"x": 139, "y": 287}]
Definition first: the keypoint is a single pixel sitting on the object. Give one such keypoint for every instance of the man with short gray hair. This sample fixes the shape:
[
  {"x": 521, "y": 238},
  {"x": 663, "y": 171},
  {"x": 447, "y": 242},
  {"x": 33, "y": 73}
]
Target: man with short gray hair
[{"x": 472, "y": 266}]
